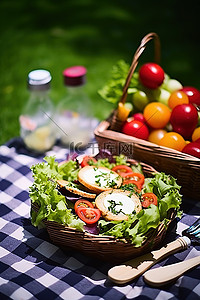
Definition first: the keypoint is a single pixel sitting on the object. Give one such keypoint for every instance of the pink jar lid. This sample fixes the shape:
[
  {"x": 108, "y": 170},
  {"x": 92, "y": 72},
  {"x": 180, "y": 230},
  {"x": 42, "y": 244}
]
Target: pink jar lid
[{"x": 75, "y": 75}]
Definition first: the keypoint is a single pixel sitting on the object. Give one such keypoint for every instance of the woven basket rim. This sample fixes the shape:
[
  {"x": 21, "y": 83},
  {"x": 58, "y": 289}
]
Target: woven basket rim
[
  {"x": 103, "y": 130},
  {"x": 107, "y": 238}
]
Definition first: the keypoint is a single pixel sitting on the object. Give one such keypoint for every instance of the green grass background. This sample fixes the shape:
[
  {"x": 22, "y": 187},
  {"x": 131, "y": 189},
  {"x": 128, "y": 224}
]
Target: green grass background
[{"x": 54, "y": 35}]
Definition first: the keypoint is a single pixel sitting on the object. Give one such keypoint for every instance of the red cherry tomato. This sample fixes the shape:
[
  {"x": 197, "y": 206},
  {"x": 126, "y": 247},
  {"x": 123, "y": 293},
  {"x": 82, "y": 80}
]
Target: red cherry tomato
[
  {"x": 88, "y": 215},
  {"x": 82, "y": 203},
  {"x": 88, "y": 161},
  {"x": 137, "y": 187},
  {"x": 148, "y": 199},
  {"x": 151, "y": 75},
  {"x": 138, "y": 177},
  {"x": 198, "y": 140},
  {"x": 139, "y": 117},
  {"x": 184, "y": 119},
  {"x": 193, "y": 149},
  {"x": 192, "y": 93},
  {"x": 136, "y": 129},
  {"x": 122, "y": 170}
]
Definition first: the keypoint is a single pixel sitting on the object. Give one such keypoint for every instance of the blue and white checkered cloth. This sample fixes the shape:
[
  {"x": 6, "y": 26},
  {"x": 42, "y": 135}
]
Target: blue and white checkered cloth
[{"x": 32, "y": 267}]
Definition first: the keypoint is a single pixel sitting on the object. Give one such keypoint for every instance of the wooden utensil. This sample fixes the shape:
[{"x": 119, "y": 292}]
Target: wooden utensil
[
  {"x": 165, "y": 275},
  {"x": 133, "y": 268}
]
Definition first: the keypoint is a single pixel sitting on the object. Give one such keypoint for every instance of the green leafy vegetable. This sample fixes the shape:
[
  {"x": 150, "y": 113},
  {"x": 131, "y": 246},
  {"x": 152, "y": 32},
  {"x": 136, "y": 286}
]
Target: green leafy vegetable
[
  {"x": 52, "y": 205},
  {"x": 112, "y": 91}
]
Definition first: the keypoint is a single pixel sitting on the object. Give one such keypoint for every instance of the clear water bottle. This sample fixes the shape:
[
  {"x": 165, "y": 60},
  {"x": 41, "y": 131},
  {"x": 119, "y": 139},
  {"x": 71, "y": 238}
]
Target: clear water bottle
[
  {"x": 36, "y": 126},
  {"x": 74, "y": 112}
]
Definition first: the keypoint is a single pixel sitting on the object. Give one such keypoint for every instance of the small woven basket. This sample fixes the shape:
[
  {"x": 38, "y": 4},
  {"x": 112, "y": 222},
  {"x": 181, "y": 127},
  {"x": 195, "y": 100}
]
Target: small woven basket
[
  {"x": 106, "y": 248},
  {"x": 185, "y": 168}
]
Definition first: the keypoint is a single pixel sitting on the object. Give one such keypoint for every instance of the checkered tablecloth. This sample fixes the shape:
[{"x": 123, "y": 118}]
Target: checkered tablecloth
[{"x": 31, "y": 267}]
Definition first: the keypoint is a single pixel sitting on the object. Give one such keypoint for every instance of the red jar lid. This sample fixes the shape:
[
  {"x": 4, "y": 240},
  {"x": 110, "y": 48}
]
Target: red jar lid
[{"x": 75, "y": 75}]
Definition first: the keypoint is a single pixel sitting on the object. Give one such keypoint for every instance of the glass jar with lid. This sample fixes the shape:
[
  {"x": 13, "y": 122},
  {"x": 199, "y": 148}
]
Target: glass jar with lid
[
  {"x": 74, "y": 112},
  {"x": 37, "y": 128}
]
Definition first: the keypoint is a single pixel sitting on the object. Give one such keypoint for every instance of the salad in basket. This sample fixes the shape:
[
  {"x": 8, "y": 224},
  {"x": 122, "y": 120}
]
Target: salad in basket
[{"x": 103, "y": 195}]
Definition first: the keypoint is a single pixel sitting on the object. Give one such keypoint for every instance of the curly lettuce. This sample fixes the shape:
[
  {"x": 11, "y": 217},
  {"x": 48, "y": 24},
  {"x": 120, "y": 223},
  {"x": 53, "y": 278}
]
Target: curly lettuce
[{"x": 52, "y": 205}]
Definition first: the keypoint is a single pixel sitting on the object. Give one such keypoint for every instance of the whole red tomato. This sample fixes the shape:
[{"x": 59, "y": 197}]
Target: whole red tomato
[
  {"x": 139, "y": 117},
  {"x": 184, "y": 119},
  {"x": 136, "y": 129},
  {"x": 151, "y": 75},
  {"x": 198, "y": 141},
  {"x": 192, "y": 93},
  {"x": 192, "y": 148}
]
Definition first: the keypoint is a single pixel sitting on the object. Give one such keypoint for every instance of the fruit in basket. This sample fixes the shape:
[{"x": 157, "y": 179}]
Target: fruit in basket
[
  {"x": 192, "y": 93},
  {"x": 136, "y": 129},
  {"x": 157, "y": 114},
  {"x": 184, "y": 119},
  {"x": 140, "y": 100},
  {"x": 177, "y": 98},
  {"x": 173, "y": 140},
  {"x": 156, "y": 135},
  {"x": 196, "y": 134},
  {"x": 171, "y": 85},
  {"x": 151, "y": 75},
  {"x": 163, "y": 96},
  {"x": 139, "y": 117},
  {"x": 192, "y": 148}
]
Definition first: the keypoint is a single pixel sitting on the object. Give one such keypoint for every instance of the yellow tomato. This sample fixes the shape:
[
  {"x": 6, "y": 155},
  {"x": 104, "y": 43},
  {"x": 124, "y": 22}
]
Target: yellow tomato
[
  {"x": 173, "y": 140},
  {"x": 156, "y": 135},
  {"x": 177, "y": 98},
  {"x": 196, "y": 134},
  {"x": 157, "y": 115}
]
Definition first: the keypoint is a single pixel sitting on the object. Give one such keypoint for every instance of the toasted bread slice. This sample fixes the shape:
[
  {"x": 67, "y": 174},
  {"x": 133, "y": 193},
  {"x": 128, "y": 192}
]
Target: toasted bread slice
[
  {"x": 115, "y": 205},
  {"x": 99, "y": 179},
  {"x": 77, "y": 189}
]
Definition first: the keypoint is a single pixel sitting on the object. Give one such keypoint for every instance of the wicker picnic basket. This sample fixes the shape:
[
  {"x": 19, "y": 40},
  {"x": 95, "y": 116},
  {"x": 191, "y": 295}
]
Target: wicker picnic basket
[
  {"x": 185, "y": 168},
  {"x": 106, "y": 248}
]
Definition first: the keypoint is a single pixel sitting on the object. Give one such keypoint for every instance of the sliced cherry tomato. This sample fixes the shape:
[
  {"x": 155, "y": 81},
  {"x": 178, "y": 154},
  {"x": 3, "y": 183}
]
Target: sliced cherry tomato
[
  {"x": 88, "y": 215},
  {"x": 138, "y": 177},
  {"x": 135, "y": 183},
  {"x": 88, "y": 161},
  {"x": 122, "y": 170},
  {"x": 83, "y": 203},
  {"x": 148, "y": 199}
]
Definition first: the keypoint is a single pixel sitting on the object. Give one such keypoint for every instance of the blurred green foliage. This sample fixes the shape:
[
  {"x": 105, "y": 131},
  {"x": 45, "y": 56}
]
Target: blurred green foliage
[{"x": 54, "y": 35}]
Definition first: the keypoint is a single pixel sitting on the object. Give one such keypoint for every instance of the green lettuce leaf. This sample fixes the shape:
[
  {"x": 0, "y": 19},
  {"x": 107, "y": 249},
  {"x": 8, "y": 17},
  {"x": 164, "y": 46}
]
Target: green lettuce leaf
[
  {"x": 52, "y": 205},
  {"x": 113, "y": 89}
]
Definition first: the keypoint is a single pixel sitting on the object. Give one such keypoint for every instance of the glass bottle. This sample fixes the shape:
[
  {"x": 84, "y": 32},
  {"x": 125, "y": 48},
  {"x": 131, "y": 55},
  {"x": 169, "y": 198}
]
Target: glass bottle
[
  {"x": 36, "y": 126},
  {"x": 74, "y": 112}
]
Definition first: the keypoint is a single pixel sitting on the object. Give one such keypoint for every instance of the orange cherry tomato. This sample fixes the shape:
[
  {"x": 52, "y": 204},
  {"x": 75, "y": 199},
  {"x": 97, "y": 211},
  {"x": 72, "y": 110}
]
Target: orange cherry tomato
[
  {"x": 173, "y": 140},
  {"x": 82, "y": 203},
  {"x": 136, "y": 177},
  {"x": 88, "y": 215},
  {"x": 122, "y": 170},
  {"x": 148, "y": 199},
  {"x": 88, "y": 161},
  {"x": 196, "y": 134},
  {"x": 156, "y": 135},
  {"x": 177, "y": 98},
  {"x": 157, "y": 115}
]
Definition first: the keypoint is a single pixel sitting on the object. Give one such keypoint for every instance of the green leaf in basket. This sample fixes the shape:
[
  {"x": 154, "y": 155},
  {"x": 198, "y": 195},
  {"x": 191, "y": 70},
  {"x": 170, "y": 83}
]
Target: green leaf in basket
[
  {"x": 112, "y": 90},
  {"x": 135, "y": 228},
  {"x": 52, "y": 205}
]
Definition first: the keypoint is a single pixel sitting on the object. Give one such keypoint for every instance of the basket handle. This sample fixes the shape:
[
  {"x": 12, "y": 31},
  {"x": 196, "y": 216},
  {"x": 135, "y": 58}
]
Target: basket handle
[{"x": 139, "y": 51}]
